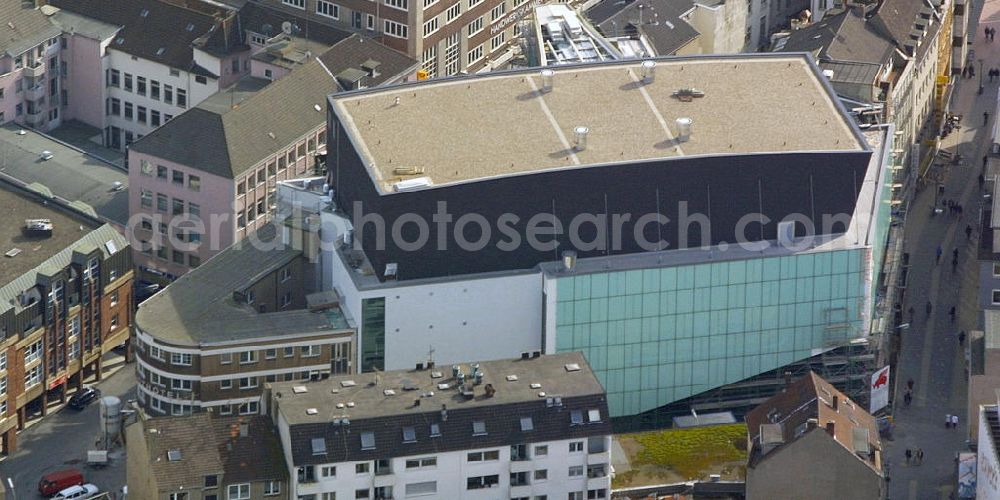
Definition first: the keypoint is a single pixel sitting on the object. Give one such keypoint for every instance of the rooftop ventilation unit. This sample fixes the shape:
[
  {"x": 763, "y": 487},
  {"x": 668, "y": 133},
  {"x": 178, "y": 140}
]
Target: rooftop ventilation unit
[
  {"x": 411, "y": 184},
  {"x": 569, "y": 263},
  {"x": 580, "y": 137},
  {"x": 547, "y": 76},
  {"x": 684, "y": 129},
  {"x": 648, "y": 71}
]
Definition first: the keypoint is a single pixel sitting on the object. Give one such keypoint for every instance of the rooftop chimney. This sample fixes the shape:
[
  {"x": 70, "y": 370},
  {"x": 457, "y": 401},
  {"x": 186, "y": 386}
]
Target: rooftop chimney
[
  {"x": 812, "y": 423},
  {"x": 831, "y": 428},
  {"x": 836, "y": 403}
]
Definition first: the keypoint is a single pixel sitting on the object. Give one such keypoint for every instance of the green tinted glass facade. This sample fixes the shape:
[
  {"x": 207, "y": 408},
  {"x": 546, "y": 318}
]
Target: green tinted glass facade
[
  {"x": 660, "y": 335},
  {"x": 373, "y": 334}
]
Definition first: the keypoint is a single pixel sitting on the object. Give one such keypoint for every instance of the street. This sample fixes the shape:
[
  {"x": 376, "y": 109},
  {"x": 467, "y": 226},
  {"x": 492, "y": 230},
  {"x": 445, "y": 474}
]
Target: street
[
  {"x": 930, "y": 354},
  {"x": 61, "y": 440}
]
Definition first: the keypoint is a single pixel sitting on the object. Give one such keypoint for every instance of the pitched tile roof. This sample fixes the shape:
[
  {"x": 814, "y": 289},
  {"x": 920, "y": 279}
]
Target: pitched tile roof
[
  {"x": 842, "y": 37},
  {"x": 210, "y": 445},
  {"x": 267, "y": 21},
  {"x": 226, "y": 142},
  {"x": 23, "y": 27},
  {"x": 808, "y": 398},
  {"x": 368, "y": 408},
  {"x": 151, "y": 25},
  {"x": 355, "y": 51},
  {"x": 897, "y": 18}
]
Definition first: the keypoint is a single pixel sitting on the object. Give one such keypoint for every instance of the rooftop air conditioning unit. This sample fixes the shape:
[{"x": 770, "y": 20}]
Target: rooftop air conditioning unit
[{"x": 412, "y": 184}]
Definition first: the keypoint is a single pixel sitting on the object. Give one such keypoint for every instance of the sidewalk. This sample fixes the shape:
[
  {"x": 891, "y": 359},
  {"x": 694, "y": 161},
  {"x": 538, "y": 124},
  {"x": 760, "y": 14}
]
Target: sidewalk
[{"x": 930, "y": 354}]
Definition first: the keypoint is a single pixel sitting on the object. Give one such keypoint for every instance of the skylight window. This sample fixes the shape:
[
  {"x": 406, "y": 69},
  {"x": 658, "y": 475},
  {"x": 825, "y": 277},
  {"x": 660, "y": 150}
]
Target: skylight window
[
  {"x": 409, "y": 435},
  {"x": 594, "y": 416},
  {"x": 319, "y": 446},
  {"x": 576, "y": 417},
  {"x": 527, "y": 424},
  {"x": 367, "y": 440},
  {"x": 435, "y": 430},
  {"x": 478, "y": 428}
]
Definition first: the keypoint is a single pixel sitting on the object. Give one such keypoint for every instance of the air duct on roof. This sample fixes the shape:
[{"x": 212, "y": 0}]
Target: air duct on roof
[
  {"x": 648, "y": 71},
  {"x": 684, "y": 129},
  {"x": 580, "y": 137},
  {"x": 547, "y": 76}
]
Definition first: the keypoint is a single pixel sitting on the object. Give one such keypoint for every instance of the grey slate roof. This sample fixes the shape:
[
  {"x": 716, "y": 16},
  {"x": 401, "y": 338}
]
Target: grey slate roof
[
  {"x": 30, "y": 27},
  {"x": 164, "y": 26},
  {"x": 387, "y": 415},
  {"x": 661, "y": 22},
  {"x": 265, "y": 20},
  {"x": 354, "y": 51},
  {"x": 207, "y": 447},
  {"x": 842, "y": 37},
  {"x": 199, "y": 306},
  {"x": 227, "y": 142},
  {"x": 895, "y": 18}
]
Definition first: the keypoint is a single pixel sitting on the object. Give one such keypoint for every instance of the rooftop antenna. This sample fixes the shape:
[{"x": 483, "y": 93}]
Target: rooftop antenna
[{"x": 430, "y": 355}]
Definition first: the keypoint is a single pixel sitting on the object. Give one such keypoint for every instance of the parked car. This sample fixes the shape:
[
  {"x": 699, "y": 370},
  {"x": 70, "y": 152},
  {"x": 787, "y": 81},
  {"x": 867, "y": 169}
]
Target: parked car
[
  {"x": 78, "y": 492},
  {"x": 54, "y": 482},
  {"x": 144, "y": 290},
  {"x": 84, "y": 397}
]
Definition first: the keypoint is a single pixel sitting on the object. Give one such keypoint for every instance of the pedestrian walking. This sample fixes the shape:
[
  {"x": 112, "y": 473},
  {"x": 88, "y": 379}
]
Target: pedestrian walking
[
  {"x": 954, "y": 421},
  {"x": 920, "y": 455},
  {"x": 954, "y": 268},
  {"x": 961, "y": 338},
  {"x": 928, "y": 308},
  {"x": 947, "y": 420},
  {"x": 909, "y": 455},
  {"x": 937, "y": 254},
  {"x": 909, "y": 384},
  {"x": 954, "y": 253},
  {"x": 908, "y": 397},
  {"x": 968, "y": 232},
  {"x": 986, "y": 118},
  {"x": 972, "y": 71},
  {"x": 986, "y": 32},
  {"x": 952, "y": 314}
]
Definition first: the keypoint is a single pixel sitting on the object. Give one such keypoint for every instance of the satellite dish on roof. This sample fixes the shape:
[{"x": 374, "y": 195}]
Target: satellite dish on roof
[
  {"x": 267, "y": 29},
  {"x": 286, "y": 27}
]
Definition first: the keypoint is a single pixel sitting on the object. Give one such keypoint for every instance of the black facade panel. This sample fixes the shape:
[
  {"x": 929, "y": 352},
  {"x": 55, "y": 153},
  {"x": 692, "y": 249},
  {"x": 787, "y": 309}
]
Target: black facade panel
[{"x": 724, "y": 189}]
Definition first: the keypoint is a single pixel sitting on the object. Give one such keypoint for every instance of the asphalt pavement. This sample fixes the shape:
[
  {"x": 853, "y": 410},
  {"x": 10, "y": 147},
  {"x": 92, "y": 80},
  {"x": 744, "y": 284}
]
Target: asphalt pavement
[
  {"x": 930, "y": 353},
  {"x": 61, "y": 440}
]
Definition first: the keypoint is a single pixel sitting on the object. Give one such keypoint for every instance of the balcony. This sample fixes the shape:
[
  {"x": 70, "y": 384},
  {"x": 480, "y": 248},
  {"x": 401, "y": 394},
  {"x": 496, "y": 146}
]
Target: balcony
[
  {"x": 35, "y": 93},
  {"x": 34, "y": 71},
  {"x": 36, "y": 118}
]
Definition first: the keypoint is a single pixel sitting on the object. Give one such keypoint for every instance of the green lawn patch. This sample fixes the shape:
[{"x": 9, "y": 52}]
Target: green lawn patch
[{"x": 691, "y": 453}]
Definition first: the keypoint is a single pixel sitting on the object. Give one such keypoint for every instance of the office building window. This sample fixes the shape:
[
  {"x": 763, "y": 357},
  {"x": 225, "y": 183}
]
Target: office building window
[
  {"x": 328, "y": 9},
  {"x": 396, "y": 30}
]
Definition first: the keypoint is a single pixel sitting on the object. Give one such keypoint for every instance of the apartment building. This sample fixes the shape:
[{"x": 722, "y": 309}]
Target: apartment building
[
  {"x": 987, "y": 484},
  {"x": 30, "y": 62},
  {"x": 205, "y": 457},
  {"x": 207, "y": 179},
  {"x": 812, "y": 441},
  {"x": 448, "y": 37},
  {"x": 526, "y": 428},
  {"x": 249, "y": 316},
  {"x": 65, "y": 301},
  {"x": 163, "y": 58},
  {"x": 652, "y": 318}
]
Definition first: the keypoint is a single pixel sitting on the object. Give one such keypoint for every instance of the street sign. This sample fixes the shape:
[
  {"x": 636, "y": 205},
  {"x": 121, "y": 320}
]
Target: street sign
[{"x": 880, "y": 390}]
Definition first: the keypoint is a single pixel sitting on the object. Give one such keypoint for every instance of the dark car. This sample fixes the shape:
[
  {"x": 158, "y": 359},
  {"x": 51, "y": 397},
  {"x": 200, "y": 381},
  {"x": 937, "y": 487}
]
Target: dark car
[
  {"x": 84, "y": 397},
  {"x": 144, "y": 290}
]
